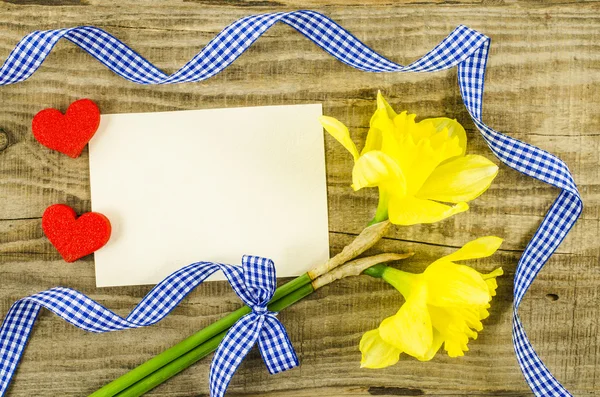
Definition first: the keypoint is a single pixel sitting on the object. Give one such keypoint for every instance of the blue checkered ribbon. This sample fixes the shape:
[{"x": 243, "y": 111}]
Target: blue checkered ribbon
[
  {"x": 465, "y": 48},
  {"x": 254, "y": 282}
]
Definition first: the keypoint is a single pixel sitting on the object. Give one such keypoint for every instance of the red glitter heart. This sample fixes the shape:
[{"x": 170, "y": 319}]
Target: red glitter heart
[
  {"x": 75, "y": 237},
  {"x": 68, "y": 133}
]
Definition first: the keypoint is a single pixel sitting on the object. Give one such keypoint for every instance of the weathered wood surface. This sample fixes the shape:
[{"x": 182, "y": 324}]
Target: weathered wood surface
[{"x": 543, "y": 86}]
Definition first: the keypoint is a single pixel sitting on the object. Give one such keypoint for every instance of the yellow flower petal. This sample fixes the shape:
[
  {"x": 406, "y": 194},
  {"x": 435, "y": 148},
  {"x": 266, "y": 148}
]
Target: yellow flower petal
[
  {"x": 454, "y": 326},
  {"x": 340, "y": 132},
  {"x": 376, "y": 168},
  {"x": 478, "y": 248},
  {"x": 383, "y": 104},
  {"x": 409, "y": 210},
  {"x": 494, "y": 273},
  {"x": 410, "y": 329},
  {"x": 490, "y": 279},
  {"x": 483, "y": 313},
  {"x": 461, "y": 179},
  {"x": 373, "y": 141},
  {"x": 455, "y": 348},
  {"x": 426, "y": 159},
  {"x": 406, "y": 126},
  {"x": 380, "y": 121},
  {"x": 402, "y": 149},
  {"x": 450, "y": 284},
  {"x": 438, "y": 339},
  {"x": 376, "y": 353},
  {"x": 453, "y": 128},
  {"x": 456, "y": 322}
]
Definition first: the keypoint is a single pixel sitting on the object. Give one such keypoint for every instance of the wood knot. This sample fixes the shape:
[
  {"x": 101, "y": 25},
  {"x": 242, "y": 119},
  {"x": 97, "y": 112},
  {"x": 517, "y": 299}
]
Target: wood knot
[
  {"x": 552, "y": 297},
  {"x": 3, "y": 140}
]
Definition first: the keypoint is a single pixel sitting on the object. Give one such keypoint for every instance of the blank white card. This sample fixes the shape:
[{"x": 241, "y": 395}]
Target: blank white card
[{"x": 209, "y": 185}]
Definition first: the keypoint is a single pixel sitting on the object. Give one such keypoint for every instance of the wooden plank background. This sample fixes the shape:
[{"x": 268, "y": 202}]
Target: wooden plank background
[{"x": 543, "y": 86}]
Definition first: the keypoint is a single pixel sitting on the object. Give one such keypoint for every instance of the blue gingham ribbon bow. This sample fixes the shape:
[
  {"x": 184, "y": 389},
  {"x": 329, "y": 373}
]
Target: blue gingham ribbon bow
[
  {"x": 254, "y": 283},
  {"x": 465, "y": 48},
  {"x": 260, "y": 326}
]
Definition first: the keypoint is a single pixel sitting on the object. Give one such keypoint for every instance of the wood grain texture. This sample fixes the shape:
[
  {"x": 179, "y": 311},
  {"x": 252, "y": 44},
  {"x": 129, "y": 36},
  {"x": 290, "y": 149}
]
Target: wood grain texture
[{"x": 543, "y": 86}]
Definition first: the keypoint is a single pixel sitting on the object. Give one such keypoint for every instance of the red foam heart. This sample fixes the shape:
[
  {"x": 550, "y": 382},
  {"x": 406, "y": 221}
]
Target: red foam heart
[
  {"x": 75, "y": 237},
  {"x": 68, "y": 133}
]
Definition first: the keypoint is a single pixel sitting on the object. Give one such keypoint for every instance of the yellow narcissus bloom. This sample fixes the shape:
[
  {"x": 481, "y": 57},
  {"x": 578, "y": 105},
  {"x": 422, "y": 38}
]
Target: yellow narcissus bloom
[
  {"x": 416, "y": 166},
  {"x": 444, "y": 304}
]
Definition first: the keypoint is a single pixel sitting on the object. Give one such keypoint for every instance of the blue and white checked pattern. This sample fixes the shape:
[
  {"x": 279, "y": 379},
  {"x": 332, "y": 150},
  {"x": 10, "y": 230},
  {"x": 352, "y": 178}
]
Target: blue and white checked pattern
[
  {"x": 465, "y": 48},
  {"x": 254, "y": 283},
  {"x": 260, "y": 325}
]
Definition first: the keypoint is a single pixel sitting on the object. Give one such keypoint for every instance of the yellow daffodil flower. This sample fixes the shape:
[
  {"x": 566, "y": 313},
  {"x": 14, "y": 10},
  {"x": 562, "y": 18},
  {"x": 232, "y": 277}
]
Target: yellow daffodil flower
[
  {"x": 416, "y": 166},
  {"x": 444, "y": 304}
]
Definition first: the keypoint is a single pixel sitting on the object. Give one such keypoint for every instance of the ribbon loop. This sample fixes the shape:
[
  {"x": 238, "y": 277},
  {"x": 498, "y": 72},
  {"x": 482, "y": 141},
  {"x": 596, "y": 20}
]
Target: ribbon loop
[{"x": 259, "y": 280}]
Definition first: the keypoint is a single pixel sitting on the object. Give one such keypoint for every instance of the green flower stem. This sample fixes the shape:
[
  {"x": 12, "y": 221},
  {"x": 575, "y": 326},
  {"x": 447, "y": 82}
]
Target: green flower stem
[
  {"x": 376, "y": 271},
  {"x": 179, "y": 364},
  {"x": 382, "y": 208},
  {"x": 173, "y": 368},
  {"x": 402, "y": 281},
  {"x": 210, "y": 333}
]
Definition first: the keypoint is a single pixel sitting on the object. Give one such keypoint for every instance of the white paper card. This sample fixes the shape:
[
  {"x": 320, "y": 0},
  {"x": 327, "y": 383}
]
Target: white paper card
[{"x": 209, "y": 185}]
